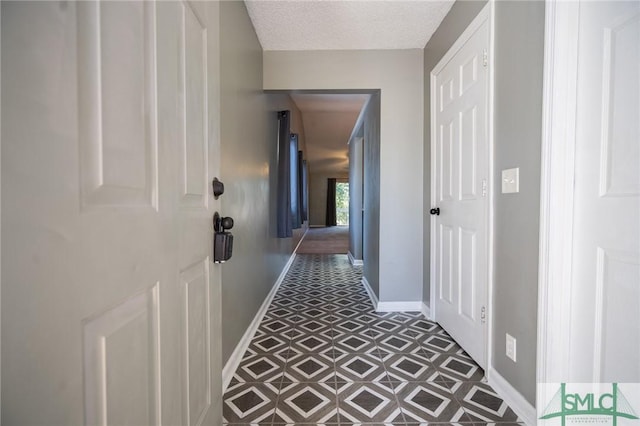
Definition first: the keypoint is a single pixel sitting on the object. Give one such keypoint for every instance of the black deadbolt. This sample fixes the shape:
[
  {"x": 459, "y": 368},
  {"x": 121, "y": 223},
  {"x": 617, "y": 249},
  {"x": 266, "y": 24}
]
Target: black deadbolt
[
  {"x": 218, "y": 188},
  {"x": 435, "y": 211}
]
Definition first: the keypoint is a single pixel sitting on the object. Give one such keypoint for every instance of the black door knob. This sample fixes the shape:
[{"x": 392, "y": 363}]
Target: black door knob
[
  {"x": 435, "y": 211},
  {"x": 220, "y": 224},
  {"x": 226, "y": 222}
]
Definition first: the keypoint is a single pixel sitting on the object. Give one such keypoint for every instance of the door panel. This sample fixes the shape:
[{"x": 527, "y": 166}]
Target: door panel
[
  {"x": 110, "y": 304},
  {"x": 468, "y": 281},
  {"x": 193, "y": 87},
  {"x": 461, "y": 171},
  {"x": 117, "y": 105},
  {"x": 606, "y": 244},
  {"x": 445, "y": 154},
  {"x": 121, "y": 363},
  {"x": 196, "y": 327},
  {"x": 446, "y": 264},
  {"x": 468, "y": 154}
]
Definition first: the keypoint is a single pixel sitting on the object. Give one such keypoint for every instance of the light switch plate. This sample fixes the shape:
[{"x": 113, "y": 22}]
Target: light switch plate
[
  {"x": 511, "y": 347},
  {"x": 511, "y": 180}
]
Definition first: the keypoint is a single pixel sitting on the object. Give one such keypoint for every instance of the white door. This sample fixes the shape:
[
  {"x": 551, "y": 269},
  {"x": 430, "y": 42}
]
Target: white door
[
  {"x": 460, "y": 173},
  {"x": 110, "y": 302},
  {"x": 605, "y": 306}
]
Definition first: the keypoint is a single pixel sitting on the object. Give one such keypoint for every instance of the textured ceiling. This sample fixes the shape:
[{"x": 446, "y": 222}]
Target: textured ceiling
[
  {"x": 345, "y": 25},
  {"x": 328, "y": 121}
]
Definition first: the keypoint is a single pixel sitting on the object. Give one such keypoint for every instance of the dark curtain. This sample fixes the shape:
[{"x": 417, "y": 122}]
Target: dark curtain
[
  {"x": 284, "y": 176},
  {"x": 295, "y": 183},
  {"x": 301, "y": 210},
  {"x": 305, "y": 190},
  {"x": 331, "y": 202}
]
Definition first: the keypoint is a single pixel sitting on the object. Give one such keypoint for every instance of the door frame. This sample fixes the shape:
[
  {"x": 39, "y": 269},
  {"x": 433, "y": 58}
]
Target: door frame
[
  {"x": 559, "y": 109},
  {"x": 486, "y": 14}
]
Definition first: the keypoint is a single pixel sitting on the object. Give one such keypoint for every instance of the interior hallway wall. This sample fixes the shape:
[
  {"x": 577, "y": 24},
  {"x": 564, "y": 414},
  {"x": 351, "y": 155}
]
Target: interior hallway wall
[
  {"x": 399, "y": 77},
  {"x": 356, "y": 169},
  {"x": 371, "y": 244},
  {"x": 248, "y": 136},
  {"x": 519, "y": 46}
]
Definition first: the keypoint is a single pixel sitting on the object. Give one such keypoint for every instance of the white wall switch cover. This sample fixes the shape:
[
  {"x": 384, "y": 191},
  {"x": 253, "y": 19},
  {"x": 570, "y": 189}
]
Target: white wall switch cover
[{"x": 511, "y": 180}]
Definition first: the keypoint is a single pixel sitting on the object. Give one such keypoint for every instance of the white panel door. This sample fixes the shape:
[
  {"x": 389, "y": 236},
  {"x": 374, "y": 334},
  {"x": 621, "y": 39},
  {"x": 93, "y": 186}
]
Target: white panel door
[
  {"x": 459, "y": 189},
  {"x": 606, "y": 245},
  {"x": 110, "y": 303}
]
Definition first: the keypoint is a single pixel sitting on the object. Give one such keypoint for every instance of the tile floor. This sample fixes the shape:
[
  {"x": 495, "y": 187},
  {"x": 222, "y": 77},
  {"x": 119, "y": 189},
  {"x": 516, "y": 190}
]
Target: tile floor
[{"x": 322, "y": 355}]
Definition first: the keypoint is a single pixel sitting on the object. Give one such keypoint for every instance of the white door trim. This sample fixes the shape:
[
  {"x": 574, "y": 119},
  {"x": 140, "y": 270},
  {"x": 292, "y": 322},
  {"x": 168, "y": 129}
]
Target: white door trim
[
  {"x": 490, "y": 186},
  {"x": 486, "y": 14},
  {"x": 557, "y": 190}
]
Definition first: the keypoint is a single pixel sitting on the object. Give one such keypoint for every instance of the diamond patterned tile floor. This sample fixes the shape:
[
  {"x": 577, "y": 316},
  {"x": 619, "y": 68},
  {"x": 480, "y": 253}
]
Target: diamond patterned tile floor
[{"x": 323, "y": 356}]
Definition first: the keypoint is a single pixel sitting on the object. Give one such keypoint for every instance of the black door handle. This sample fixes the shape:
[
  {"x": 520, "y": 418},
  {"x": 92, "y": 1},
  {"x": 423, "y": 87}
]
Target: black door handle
[
  {"x": 435, "y": 211},
  {"x": 221, "y": 224},
  {"x": 222, "y": 240}
]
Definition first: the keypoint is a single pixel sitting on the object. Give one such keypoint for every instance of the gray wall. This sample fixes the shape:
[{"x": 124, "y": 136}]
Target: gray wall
[
  {"x": 519, "y": 32},
  {"x": 453, "y": 25},
  {"x": 371, "y": 218},
  {"x": 248, "y": 150},
  {"x": 399, "y": 76},
  {"x": 356, "y": 170},
  {"x": 519, "y": 42},
  {"x": 318, "y": 196}
]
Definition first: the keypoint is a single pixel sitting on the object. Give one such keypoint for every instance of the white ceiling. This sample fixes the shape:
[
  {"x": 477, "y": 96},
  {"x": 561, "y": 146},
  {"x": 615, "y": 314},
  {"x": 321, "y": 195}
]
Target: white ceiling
[
  {"x": 327, "y": 136},
  {"x": 345, "y": 24},
  {"x": 328, "y": 102},
  {"x": 328, "y": 120}
]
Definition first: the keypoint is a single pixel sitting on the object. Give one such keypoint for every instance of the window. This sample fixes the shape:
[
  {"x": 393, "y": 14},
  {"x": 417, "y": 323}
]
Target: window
[{"x": 342, "y": 203}]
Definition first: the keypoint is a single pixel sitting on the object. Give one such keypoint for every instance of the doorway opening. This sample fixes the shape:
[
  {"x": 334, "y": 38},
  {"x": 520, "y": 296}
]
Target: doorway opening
[{"x": 342, "y": 203}]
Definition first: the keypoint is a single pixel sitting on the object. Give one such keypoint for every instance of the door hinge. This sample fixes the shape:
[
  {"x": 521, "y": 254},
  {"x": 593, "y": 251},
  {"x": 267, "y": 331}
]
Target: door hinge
[
  {"x": 485, "y": 58},
  {"x": 484, "y": 187},
  {"x": 483, "y": 315}
]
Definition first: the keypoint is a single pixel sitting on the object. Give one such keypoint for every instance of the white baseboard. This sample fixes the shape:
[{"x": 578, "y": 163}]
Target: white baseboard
[
  {"x": 234, "y": 360},
  {"x": 372, "y": 295},
  {"x": 353, "y": 260},
  {"x": 426, "y": 311},
  {"x": 525, "y": 411},
  {"x": 399, "y": 307},
  {"x": 390, "y": 306}
]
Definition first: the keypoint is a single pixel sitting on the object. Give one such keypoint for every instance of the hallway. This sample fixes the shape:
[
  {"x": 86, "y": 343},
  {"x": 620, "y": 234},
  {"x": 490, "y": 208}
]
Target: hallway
[
  {"x": 322, "y": 355},
  {"x": 329, "y": 240}
]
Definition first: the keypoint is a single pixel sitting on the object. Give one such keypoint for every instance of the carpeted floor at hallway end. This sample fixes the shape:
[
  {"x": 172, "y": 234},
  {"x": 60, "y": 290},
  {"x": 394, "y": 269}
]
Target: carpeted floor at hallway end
[{"x": 330, "y": 240}]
